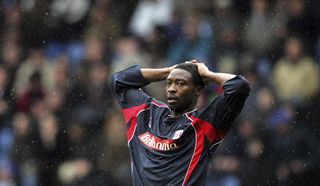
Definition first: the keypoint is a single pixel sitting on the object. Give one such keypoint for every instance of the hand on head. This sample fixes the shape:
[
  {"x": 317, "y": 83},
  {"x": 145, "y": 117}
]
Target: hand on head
[{"x": 202, "y": 69}]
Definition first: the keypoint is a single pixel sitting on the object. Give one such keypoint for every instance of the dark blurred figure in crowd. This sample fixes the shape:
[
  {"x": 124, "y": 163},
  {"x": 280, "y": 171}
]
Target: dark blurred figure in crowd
[
  {"x": 115, "y": 150},
  {"x": 102, "y": 24},
  {"x": 196, "y": 41},
  {"x": 25, "y": 150},
  {"x": 301, "y": 23},
  {"x": 259, "y": 29},
  {"x": 6, "y": 134},
  {"x": 294, "y": 150},
  {"x": 81, "y": 164},
  {"x": 34, "y": 63},
  {"x": 257, "y": 166},
  {"x": 226, "y": 165},
  {"x": 128, "y": 51},
  {"x": 32, "y": 93},
  {"x": 88, "y": 95},
  {"x": 51, "y": 150},
  {"x": 45, "y": 21},
  {"x": 226, "y": 25},
  {"x": 5, "y": 109}
]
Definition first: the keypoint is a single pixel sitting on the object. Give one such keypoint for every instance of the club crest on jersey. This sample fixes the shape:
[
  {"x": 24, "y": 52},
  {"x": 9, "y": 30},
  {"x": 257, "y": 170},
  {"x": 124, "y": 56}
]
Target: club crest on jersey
[
  {"x": 157, "y": 143},
  {"x": 177, "y": 134}
]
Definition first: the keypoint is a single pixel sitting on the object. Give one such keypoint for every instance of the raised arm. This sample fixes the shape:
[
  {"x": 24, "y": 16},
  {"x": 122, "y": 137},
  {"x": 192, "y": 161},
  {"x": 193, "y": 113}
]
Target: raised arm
[
  {"x": 127, "y": 85},
  {"x": 158, "y": 74},
  {"x": 226, "y": 107},
  {"x": 209, "y": 76}
]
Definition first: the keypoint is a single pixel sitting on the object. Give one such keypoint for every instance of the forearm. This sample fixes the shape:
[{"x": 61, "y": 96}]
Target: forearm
[
  {"x": 128, "y": 78},
  {"x": 218, "y": 78},
  {"x": 209, "y": 76},
  {"x": 152, "y": 75}
]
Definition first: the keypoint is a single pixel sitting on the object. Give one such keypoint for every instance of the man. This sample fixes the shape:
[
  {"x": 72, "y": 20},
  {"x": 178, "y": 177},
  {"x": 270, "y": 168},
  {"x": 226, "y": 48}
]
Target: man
[{"x": 171, "y": 144}]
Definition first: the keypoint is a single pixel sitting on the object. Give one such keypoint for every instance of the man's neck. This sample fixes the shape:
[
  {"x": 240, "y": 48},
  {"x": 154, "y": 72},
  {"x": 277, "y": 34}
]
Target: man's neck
[
  {"x": 179, "y": 114},
  {"x": 176, "y": 114}
]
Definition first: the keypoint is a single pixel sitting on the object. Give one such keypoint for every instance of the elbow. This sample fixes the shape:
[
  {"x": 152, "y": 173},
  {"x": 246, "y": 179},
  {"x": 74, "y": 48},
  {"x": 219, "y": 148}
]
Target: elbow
[
  {"x": 116, "y": 89},
  {"x": 244, "y": 86},
  {"x": 238, "y": 85},
  {"x": 113, "y": 82}
]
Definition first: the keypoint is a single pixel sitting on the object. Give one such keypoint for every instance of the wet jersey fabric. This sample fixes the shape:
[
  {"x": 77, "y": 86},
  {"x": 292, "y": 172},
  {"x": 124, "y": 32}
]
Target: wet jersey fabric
[{"x": 173, "y": 151}]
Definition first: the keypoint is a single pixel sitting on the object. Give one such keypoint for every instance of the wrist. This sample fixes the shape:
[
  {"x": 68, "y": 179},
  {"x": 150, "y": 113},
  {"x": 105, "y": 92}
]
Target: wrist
[
  {"x": 168, "y": 70},
  {"x": 207, "y": 74}
]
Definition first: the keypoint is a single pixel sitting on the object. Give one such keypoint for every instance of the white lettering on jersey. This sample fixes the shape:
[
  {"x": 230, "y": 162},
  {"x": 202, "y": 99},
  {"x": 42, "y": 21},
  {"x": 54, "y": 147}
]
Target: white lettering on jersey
[{"x": 157, "y": 143}]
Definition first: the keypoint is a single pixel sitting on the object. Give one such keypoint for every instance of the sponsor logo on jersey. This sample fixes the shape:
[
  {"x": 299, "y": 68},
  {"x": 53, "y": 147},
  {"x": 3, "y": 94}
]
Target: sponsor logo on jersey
[{"x": 157, "y": 143}]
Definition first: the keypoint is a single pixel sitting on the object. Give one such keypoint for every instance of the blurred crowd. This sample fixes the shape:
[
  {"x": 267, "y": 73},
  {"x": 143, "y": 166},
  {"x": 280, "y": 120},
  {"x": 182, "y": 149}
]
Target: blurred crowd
[{"x": 60, "y": 125}]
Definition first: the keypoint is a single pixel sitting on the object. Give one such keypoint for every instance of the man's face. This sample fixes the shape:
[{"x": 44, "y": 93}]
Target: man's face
[{"x": 181, "y": 92}]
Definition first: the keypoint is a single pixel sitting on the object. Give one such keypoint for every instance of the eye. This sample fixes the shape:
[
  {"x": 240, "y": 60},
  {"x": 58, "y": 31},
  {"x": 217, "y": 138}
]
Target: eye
[
  {"x": 168, "y": 83},
  {"x": 180, "y": 83}
]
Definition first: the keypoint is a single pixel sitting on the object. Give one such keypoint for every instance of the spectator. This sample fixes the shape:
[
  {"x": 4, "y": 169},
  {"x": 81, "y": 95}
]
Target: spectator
[
  {"x": 51, "y": 149},
  {"x": 34, "y": 62},
  {"x": 5, "y": 110},
  {"x": 196, "y": 41},
  {"x": 148, "y": 14},
  {"x": 226, "y": 25},
  {"x": 128, "y": 52},
  {"x": 259, "y": 29},
  {"x": 25, "y": 150},
  {"x": 33, "y": 93},
  {"x": 102, "y": 25},
  {"x": 295, "y": 75},
  {"x": 11, "y": 55},
  {"x": 298, "y": 14},
  {"x": 81, "y": 100},
  {"x": 227, "y": 162},
  {"x": 97, "y": 106},
  {"x": 115, "y": 161},
  {"x": 294, "y": 162}
]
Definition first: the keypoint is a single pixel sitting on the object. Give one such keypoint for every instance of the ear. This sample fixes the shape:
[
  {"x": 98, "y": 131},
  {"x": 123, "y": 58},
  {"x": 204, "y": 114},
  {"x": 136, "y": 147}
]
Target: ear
[{"x": 197, "y": 90}]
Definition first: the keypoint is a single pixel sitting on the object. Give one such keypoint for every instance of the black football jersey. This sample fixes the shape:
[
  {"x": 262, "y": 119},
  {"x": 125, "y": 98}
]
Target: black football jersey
[{"x": 173, "y": 151}]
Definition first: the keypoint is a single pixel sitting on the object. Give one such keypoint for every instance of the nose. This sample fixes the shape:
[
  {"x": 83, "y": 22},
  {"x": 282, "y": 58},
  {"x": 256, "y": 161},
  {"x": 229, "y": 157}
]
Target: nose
[{"x": 171, "y": 88}]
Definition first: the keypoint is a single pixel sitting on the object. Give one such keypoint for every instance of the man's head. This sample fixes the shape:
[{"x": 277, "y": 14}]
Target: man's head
[{"x": 183, "y": 87}]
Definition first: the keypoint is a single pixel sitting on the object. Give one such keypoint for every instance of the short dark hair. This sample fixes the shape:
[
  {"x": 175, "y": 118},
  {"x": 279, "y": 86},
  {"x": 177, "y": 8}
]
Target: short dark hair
[{"x": 193, "y": 69}]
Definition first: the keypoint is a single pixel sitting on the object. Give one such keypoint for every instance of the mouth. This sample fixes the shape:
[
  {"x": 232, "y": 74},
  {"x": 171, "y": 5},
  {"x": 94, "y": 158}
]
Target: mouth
[{"x": 172, "y": 99}]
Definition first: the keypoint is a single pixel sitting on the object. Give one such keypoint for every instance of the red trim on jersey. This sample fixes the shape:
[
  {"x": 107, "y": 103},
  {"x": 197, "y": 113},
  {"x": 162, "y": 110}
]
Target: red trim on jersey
[
  {"x": 129, "y": 113},
  {"x": 159, "y": 104},
  {"x": 208, "y": 129},
  {"x": 199, "y": 144},
  {"x": 131, "y": 129},
  {"x": 201, "y": 128}
]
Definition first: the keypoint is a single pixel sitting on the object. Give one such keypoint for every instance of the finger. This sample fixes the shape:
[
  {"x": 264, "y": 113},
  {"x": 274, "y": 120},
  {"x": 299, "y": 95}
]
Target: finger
[{"x": 193, "y": 61}]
